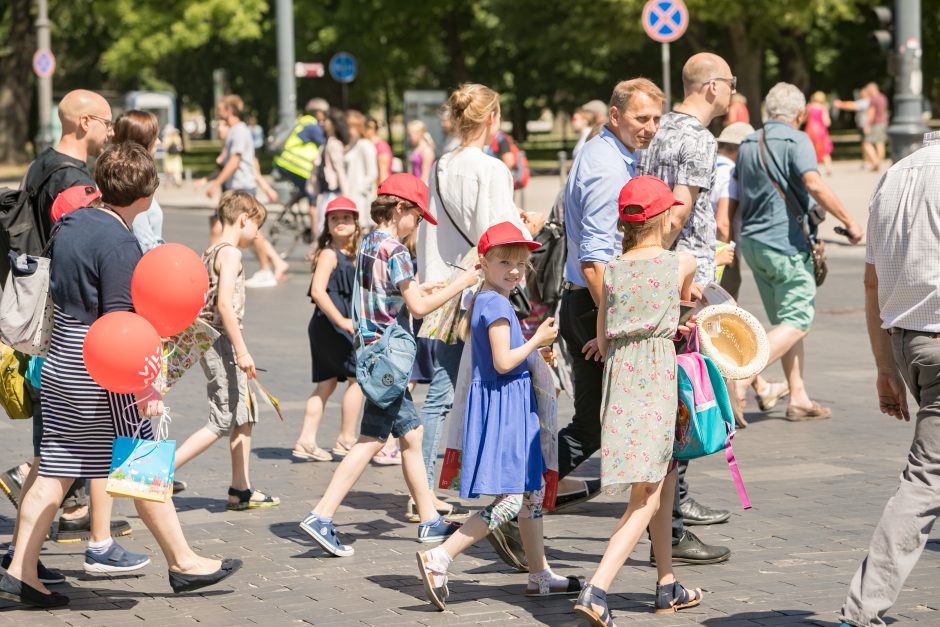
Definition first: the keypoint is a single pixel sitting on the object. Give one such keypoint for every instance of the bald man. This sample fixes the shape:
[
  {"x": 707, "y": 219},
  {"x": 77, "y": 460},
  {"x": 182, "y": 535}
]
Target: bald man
[
  {"x": 86, "y": 127},
  {"x": 683, "y": 154}
]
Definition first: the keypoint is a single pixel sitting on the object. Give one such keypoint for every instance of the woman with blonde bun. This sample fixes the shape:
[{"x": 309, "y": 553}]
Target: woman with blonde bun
[{"x": 469, "y": 192}]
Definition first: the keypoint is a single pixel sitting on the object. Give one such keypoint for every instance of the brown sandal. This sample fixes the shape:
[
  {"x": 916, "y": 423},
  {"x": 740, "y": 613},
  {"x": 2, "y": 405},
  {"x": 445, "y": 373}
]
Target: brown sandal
[{"x": 804, "y": 414}]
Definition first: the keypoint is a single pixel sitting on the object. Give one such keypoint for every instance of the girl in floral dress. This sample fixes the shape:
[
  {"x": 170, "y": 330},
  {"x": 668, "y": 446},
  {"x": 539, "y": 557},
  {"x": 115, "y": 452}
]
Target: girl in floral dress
[{"x": 635, "y": 329}]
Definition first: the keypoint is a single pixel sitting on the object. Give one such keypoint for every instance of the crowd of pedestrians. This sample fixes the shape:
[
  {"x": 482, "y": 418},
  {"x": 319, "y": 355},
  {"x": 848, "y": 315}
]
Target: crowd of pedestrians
[{"x": 656, "y": 209}]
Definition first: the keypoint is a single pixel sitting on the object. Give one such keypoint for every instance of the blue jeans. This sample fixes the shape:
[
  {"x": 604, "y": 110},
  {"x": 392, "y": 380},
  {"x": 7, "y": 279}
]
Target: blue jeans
[{"x": 438, "y": 402}]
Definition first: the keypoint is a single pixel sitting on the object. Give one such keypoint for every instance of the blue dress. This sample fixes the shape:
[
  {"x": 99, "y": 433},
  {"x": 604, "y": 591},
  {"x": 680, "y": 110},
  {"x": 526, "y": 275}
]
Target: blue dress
[{"x": 502, "y": 453}]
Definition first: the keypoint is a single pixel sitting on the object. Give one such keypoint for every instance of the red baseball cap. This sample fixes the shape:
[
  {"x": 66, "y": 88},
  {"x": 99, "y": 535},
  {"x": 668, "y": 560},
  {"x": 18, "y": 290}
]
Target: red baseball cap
[
  {"x": 341, "y": 203},
  {"x": 411, "y": 188},
  {"x": 501, "y": 234},
  {"x": 73, "y": 198},
  {"x": 647, "y": 192}
]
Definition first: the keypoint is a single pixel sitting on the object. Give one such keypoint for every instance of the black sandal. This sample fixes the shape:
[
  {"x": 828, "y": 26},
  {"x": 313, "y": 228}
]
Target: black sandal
[
  {"x": 245, "y": 502},
  {"x": 182, "y": 582},
  {"x": 12, "y": 589},
  {"x": 589, "y": 597},
  {"x": 672, "y": 597}
]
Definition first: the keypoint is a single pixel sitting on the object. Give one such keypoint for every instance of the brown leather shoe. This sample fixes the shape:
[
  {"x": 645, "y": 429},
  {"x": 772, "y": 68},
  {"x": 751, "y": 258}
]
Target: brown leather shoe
[{"x": 805, "y": 414}]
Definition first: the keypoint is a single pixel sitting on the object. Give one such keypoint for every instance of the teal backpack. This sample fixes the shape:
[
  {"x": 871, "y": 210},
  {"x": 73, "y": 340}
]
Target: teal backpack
[{"x": 704, "y": 419}]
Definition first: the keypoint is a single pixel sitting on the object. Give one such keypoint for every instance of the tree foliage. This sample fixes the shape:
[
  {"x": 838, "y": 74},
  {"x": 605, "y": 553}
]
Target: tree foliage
[{"x": 537, "y": 53}]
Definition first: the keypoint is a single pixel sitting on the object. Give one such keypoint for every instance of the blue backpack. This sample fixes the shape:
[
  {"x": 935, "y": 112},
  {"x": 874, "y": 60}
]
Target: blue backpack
[{"x": 704, "y": 419}]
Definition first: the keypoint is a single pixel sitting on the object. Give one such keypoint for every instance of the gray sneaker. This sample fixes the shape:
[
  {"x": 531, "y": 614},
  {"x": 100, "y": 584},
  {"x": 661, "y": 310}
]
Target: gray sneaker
[{"x": 116, "y": 559}]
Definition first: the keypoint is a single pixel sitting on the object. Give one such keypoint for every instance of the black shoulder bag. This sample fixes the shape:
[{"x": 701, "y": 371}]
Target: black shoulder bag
[
  {"x": 801, "y": 215},
  {"x": 517, "y": 297}
]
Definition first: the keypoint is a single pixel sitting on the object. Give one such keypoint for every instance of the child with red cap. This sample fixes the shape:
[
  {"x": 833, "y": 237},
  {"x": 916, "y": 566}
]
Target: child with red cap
[
  {"x": 635, "y": 329},
  {"x": 502, "y": 453},
  {"x": 331, "y": 331},
  {"x": 385, "y": 285}
]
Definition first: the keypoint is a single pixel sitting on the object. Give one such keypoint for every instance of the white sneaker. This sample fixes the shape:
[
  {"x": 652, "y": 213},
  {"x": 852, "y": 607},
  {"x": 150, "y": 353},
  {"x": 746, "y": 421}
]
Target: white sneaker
[{"x": 262, "y": 278}]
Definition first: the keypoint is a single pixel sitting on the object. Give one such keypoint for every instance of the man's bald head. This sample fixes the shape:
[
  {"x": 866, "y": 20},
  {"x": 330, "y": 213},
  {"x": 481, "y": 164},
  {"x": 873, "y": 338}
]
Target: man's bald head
[
  {"x": 81, "y": 102},
  {"x": 86, "y": 121},
  {"x": 701, "y": 68}
]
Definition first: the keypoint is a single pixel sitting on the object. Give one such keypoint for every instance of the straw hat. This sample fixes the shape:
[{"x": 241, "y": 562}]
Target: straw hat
[{"x": 733, "y": 339}]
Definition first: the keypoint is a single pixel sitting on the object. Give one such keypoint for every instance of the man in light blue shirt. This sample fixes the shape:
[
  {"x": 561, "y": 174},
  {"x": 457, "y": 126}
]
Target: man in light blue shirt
[{"x": 600, "y": 171}]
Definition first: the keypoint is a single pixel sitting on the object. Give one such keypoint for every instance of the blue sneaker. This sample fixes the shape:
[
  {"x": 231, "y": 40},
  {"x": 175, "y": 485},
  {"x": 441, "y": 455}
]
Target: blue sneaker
[
  {"x": 437, "y": 530},
  {"x": 325, "y": 535},
  {"x": 45, "y": 575},
  {"x": 116, "y": 559}
]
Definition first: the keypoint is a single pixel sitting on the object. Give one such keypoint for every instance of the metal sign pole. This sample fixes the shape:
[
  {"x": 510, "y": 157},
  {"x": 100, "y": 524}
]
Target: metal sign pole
[
  {"x": 667, "y": 85},
  {"x": 44, "y": 83}
]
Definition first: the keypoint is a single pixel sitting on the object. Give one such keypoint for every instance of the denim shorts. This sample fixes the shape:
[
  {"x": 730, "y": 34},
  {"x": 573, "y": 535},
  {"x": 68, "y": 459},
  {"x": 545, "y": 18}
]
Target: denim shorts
[{"x": 398, "y": 418}]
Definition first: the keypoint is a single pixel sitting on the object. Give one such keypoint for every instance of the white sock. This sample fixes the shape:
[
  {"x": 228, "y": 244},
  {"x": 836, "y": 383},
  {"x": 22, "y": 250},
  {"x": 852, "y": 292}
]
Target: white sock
[
  {"x": 439, "y": 560},
  {"x": 547, "y": 576},
  {"x": 100, "y": 548}
]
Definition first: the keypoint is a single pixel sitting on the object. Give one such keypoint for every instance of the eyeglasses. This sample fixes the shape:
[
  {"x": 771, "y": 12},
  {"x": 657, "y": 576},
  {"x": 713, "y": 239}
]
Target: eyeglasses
[
  {"x": 732, "y": 82},
  {"x": 108, "y": 124}
]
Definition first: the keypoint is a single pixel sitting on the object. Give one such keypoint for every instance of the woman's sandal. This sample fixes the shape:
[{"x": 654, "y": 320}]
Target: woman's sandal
[
  {"x": 572, "y": 585},
  {"x": 341, "y": 450},
  {"x": 672, "y": 597},
  {"x": 305, "y": 454},
  {"x": 245, "y": 501},
  {"x": 589, "y": 598},
  {"x": 316, "y": 454}
]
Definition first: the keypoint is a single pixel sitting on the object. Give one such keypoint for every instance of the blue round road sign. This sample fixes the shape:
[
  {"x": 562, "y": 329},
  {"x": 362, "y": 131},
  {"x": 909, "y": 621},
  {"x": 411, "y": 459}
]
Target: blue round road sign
[
  {"x": 665, "y": 20},
  {"x": 343, "y": 67},
  {"x": 44, "y": 63}
]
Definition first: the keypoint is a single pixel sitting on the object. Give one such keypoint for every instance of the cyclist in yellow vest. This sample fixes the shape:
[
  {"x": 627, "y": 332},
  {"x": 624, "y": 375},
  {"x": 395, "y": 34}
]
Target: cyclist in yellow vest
[{"x": 302, "y": 147}]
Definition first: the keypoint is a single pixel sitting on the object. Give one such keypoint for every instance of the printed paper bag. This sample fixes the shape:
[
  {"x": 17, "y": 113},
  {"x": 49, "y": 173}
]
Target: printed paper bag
[
  {"x": 450, "y": 471},
  {"x": 142, "y": 469},
  {"x": 444, "y": 322},
  {"x": 546, "y": 405},
  {"x": 183, "y": 351}
]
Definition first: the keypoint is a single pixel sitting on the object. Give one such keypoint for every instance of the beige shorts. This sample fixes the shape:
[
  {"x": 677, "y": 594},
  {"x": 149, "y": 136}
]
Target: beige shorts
[{"x": 227, "y": 387}]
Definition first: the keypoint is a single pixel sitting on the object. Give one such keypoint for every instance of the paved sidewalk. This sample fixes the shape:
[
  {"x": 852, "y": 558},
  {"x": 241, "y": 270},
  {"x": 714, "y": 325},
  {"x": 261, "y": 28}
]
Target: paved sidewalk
[{"x": 817, "y": 488}]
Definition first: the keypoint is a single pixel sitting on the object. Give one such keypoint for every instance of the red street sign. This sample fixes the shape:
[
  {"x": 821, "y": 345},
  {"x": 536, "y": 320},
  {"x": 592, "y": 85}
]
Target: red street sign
[
  {"x": 309, "y": 70},
  {"x": 44, "y": 63},
  {"x": 665, "y": 20}
]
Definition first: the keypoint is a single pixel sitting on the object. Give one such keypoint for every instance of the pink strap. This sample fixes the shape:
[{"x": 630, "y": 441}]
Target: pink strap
[
  {"x": 736, "y": 474},
  {"x": 695, "y": 335}
]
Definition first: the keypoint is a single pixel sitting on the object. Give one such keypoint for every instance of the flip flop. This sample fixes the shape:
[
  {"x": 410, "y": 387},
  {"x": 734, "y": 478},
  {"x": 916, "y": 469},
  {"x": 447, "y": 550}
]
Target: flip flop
[
  {"x": 315, "y": 455},
  {"x": 804, "y": 414}
]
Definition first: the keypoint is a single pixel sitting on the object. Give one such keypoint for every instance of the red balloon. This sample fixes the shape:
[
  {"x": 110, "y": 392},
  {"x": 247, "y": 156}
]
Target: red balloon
[
  {"x": 122, "y": 352},
  {"x": 169, "y": 287}
]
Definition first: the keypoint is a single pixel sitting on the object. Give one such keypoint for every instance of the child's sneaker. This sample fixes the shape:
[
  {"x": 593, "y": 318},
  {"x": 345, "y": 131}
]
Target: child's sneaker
[
  {"x": 325, "y": 535},
  {"x": 116, "y": 559},
  {"x": 436, "y": 530}
]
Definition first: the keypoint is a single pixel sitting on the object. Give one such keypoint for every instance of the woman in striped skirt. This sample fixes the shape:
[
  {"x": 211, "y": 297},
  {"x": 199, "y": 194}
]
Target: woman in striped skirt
[{"x": 93, "y": 257}]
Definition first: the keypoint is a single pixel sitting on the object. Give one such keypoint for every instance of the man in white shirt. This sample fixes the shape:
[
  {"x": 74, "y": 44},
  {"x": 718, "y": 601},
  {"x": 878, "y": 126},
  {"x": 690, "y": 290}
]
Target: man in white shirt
[{"x": 902, "y": 307}]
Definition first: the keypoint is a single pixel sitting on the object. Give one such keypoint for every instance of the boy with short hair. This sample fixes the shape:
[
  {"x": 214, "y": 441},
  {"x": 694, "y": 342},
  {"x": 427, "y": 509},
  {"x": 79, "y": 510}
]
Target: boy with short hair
[
  {"x": 385, "y": 282},
  {"x": 228, "y": 365}
]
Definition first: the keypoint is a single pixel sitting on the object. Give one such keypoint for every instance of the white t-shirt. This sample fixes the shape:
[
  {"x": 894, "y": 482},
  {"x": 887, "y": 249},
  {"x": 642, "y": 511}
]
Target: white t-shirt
[
  {"x": 477, "y": 191},
  {"x": 726, "y": 186}
]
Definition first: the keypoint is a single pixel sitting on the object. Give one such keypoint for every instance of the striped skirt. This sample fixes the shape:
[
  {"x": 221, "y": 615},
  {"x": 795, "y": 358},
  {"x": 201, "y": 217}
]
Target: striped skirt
[{"x": 80, "y": 418}]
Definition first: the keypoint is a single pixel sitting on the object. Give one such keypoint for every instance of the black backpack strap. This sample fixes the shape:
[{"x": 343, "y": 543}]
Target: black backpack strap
[
  {"x": 437, "y": 186},
  {"x": 42, "y": 183}
]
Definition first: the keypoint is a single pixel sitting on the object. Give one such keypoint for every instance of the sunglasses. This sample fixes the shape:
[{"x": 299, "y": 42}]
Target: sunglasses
[
  {"x": 108, "y": 124},
  {"x": 732, "y": 82}
]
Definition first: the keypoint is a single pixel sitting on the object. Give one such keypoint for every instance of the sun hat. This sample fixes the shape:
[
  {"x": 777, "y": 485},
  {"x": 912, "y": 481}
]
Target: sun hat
[
  {"x": 647, "y": 192},
  {"x": 734, "y": 339},
  {"x": 73, "y": 198},
  {"x": 341, "y": 203},
  {"x": 411, "y": 188},
  {"x": 501, "y": 234},
  {"x": 735, "y": 133}
]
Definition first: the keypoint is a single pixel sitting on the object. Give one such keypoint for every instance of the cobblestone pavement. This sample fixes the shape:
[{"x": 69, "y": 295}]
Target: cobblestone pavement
[{"x": 817, "y": 488}]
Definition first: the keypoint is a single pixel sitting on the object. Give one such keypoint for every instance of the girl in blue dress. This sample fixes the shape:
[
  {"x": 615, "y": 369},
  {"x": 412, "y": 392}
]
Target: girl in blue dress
[{"x": 502, "y": 454}]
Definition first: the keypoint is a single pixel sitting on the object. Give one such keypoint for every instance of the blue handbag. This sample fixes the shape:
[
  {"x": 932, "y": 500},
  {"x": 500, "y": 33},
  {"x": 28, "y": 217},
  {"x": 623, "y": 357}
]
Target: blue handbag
[{"x": 383, "y": 368}]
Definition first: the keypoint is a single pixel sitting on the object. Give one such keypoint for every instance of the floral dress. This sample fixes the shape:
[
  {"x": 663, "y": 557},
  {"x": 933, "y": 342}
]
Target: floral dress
[{"x": 640, "y": 399}]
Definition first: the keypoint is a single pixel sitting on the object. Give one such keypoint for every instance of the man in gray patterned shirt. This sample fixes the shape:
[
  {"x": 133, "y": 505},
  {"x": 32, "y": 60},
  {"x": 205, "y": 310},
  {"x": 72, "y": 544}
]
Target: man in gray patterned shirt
[{"x": 683, "y": 154}]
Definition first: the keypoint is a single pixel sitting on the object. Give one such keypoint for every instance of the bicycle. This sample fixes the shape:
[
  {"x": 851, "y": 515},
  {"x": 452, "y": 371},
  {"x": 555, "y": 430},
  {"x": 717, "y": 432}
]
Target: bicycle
[{"x": 292, "y": 223}]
